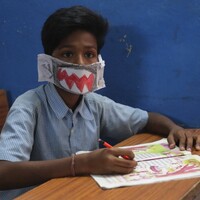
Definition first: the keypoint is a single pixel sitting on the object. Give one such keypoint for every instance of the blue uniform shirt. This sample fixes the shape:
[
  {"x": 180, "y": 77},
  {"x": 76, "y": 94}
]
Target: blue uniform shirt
[{"x": 41, "y": 127}]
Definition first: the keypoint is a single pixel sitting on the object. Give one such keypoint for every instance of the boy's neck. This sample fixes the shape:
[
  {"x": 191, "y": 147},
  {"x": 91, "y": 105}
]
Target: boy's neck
[{"x": 71, "y": 100}]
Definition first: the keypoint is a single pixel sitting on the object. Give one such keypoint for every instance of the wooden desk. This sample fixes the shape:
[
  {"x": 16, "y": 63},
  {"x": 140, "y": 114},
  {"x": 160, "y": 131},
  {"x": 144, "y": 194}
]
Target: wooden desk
[{"x": 85, "y": 188}]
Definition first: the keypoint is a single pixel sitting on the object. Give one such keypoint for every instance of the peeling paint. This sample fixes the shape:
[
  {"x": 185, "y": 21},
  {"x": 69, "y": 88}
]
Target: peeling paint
[{"x": 128, "y": 47}]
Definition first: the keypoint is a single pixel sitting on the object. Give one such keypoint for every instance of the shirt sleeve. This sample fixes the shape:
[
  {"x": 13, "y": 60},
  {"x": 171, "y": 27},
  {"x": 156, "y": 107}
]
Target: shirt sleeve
[
  {"x": 118, "y": 121},
  {"x": 17, "y": 136}
]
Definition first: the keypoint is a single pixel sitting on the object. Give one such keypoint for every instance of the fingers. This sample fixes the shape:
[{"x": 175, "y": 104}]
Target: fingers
[
  {"x": 196, "y": 138},
  {"x": 120, "y": 165},
  {"x": 189, "y": 143},
  {"x": 179, "y": 137},
  {"x": 171, "y": 141},
  {"x": 123, "y": 152},
  {"x": 197, "y": 146},
  {"x": 193, "y": 138},
  {"x": 121, "y": 162},
  {"x": 182, "y": 141},
  {"x": 186, "y": 139}
]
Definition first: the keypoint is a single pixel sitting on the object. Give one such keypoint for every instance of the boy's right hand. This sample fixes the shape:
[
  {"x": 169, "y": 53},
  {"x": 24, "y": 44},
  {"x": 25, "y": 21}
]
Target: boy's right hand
[{"x": 105, "y": 161}]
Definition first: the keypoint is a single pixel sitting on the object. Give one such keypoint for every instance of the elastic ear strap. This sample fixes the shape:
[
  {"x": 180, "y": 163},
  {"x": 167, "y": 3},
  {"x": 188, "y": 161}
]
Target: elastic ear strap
[{"x": 101, "y": 60}]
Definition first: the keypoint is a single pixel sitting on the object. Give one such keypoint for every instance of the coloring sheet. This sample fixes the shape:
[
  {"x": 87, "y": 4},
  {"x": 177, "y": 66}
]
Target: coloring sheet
[{"x": 156, "y": 163}]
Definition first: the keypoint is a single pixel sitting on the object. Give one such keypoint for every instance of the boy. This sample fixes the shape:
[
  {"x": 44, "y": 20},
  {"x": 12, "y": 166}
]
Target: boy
[{"x": 46, "y": 126}]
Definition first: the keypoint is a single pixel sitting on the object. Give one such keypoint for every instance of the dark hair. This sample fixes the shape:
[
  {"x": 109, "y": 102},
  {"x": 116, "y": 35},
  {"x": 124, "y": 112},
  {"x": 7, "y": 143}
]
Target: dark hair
[{"x": 67, "y": 20}]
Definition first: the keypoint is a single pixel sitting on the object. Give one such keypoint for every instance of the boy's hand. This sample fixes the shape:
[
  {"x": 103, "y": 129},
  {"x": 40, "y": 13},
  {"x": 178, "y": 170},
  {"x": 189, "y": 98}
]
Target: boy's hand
[
  {"x": 184, "y": 138},
  {"x": 107, "y": 161}
]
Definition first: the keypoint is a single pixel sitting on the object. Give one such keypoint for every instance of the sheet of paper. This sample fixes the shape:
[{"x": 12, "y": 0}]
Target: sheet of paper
[
  {"x": 156, "y": 163},
  {"x": 155, "y": 150}
]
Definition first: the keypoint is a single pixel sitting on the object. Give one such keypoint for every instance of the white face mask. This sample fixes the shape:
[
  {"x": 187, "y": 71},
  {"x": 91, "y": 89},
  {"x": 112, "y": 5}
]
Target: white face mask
[{"x": 74, "y": 78}]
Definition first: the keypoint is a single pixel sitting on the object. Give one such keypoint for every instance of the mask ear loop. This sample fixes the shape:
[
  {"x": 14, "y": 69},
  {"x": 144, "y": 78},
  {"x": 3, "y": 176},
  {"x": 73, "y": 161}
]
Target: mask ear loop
[{"x": 101, "y": 60}]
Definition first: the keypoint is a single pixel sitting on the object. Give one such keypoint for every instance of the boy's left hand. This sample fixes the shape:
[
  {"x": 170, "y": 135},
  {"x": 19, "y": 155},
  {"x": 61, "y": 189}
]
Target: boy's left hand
[{"x": 184, "y": 138}]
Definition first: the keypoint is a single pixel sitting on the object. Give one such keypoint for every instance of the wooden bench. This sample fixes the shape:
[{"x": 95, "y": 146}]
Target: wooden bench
[{"x": 3, "y": 107}]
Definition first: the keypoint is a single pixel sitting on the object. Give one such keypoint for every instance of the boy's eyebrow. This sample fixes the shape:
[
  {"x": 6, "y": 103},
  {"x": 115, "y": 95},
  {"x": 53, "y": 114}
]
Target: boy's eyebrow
[{"x": 65, "y": 46}]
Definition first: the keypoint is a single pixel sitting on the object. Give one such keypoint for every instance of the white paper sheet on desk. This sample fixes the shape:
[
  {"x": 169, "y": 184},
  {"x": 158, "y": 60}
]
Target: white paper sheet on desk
[
  {"x": 156, "y": 163},
  {"x": 155, "y": 150}
]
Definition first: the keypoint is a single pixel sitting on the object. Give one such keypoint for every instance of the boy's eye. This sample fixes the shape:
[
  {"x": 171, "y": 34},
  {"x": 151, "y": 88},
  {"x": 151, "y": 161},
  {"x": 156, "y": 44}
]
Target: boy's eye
[
  {"x": 89, "y": 55},
  {"x": 68, "y": 54}
]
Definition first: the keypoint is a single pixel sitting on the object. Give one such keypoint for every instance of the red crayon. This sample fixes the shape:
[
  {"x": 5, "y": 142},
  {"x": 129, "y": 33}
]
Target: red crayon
[{"x": 105, "y": 144}]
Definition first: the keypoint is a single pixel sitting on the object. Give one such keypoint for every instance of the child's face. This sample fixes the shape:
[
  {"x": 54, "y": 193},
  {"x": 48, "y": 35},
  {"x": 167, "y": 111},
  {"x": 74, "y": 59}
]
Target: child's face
[{"x": 79, "y": 48}]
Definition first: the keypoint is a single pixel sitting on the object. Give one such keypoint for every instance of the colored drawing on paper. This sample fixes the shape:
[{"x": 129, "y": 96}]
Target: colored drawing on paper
[
  {"x": 164, "y": 168},
  {"x": 156, "y": 151}
]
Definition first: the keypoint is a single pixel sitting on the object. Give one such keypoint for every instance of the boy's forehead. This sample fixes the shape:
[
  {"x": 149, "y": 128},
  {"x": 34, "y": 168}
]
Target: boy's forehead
[{"x": 83, "y": 38}]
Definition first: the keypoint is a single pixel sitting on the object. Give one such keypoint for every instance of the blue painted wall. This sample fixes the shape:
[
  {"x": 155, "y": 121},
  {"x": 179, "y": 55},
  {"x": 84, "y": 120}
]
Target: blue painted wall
[{"x": 152, "y": 51}]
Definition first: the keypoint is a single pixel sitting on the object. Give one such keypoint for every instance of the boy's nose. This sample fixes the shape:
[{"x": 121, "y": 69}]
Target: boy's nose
[{"x": 80, "y": 60}]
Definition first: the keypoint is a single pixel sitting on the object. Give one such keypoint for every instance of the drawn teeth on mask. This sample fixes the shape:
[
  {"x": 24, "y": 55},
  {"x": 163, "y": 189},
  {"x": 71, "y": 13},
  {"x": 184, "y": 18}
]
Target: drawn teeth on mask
[
  {"x": 63, "y": 83},
  {"x": 79, "y": 73},
  {"x": 85, "y": 89},
  {"x": 74, "y": 87}
]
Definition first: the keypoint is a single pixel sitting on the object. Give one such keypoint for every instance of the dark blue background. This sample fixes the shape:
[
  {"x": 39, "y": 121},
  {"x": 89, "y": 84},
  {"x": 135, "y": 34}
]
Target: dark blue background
[{"x": 160, "y": 73}]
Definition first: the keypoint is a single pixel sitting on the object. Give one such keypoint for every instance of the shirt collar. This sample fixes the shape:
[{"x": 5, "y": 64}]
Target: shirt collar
[
  {"x": 61, "y": 109},
  {"x": 84, "y": 110}
]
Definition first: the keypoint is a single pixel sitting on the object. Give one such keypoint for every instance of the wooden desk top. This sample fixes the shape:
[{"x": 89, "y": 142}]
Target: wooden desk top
[{"x": 85, "y": 188}]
